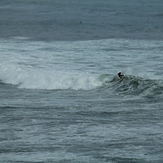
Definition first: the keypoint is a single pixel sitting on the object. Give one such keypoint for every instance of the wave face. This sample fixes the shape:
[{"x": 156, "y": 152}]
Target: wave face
[{"x": 137, "y": 86}]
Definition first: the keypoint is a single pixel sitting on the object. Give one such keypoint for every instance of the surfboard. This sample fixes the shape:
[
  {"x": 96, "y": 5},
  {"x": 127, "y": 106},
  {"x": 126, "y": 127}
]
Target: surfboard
[{"x": 121, "y": 78}]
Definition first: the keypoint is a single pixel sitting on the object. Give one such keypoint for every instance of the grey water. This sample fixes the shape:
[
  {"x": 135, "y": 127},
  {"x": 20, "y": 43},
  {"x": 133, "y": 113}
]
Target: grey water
[{"x": 61, "y": 99}]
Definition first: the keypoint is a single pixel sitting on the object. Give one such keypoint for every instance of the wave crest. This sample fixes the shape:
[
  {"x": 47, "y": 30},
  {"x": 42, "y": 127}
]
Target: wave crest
[{"x": 55, "y": 80}]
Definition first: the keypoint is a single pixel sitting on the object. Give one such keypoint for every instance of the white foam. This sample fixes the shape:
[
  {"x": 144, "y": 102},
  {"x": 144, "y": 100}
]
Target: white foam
[
  {"x": 41, "y": 65},
  {"x": 38, "y": 78}
]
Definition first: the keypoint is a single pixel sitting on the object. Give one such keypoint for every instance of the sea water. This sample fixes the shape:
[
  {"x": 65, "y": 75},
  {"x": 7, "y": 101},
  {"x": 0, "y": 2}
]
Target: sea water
[{"x": 61, "y": 99}]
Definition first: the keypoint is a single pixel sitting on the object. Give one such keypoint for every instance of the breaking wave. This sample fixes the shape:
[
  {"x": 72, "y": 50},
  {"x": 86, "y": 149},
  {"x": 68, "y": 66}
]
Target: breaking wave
[
  {"x": 56, "y": 80},
  {"x": 29, "y": 78}
]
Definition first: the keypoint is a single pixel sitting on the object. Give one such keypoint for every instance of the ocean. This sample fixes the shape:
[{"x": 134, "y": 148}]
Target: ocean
[{"x": 61, "y": 100}]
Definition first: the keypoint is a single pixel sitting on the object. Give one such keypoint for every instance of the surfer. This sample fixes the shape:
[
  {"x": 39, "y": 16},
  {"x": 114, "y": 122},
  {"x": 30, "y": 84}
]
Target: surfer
[{"x": 120, "y": 75}]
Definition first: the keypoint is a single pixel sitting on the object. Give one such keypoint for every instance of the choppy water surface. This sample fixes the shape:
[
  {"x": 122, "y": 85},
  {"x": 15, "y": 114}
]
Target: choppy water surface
[{"x": 60, "y": 97}]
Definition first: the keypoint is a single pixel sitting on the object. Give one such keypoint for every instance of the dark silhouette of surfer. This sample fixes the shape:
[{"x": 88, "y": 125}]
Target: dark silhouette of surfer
[{"x": 120, "y": 75}]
